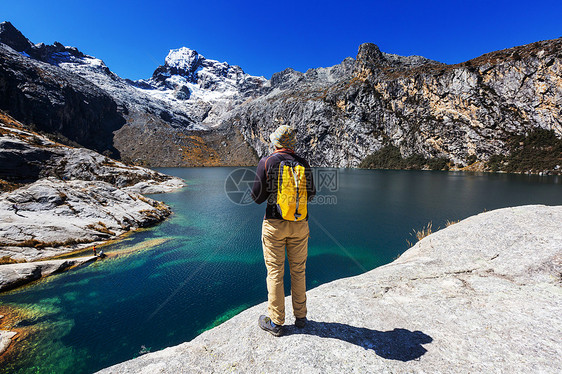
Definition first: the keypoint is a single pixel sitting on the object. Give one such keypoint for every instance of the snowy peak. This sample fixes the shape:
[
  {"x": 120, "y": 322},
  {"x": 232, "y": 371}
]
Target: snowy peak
[
  {"x": 70, "y": 58},
  {"x": 180, "y": 63},
  {"x": 183, "y": 59},
  {"x": 193, "y": 66},
  {"x": 187, "y": 74}
]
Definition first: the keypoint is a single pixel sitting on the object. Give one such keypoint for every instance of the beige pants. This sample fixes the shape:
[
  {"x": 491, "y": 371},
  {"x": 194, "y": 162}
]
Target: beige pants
[{"x": 278, "y": 234}]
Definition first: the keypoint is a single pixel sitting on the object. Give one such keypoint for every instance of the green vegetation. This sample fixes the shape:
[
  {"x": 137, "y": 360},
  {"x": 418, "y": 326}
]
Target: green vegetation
[
  {"x": 438, "y": 163},
  {"x": 536, "y": 151},
  {"x": 389, "y": 157},
  {"x": 471, "y": 159},
  {"x": 385, "y": 158},
  {"x": 495, "y": 163}
]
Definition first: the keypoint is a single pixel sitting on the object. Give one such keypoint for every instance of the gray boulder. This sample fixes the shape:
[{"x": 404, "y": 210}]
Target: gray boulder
[
  {"x": 15, "y": 275},
  {"x": 6, "y": 339}
]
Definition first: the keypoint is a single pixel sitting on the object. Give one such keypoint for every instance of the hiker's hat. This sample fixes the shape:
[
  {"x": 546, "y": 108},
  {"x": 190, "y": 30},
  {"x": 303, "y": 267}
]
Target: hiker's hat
[{"x": 284, "y": 137}]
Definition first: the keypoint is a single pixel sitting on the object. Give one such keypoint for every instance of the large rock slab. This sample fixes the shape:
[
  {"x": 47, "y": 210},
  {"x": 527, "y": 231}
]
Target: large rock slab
[
  {"x": 52, "y": 216},
  {"x": 483, "y": 295}
]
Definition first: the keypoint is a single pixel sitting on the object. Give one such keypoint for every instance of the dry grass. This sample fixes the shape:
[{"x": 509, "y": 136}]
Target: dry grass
[
  {"x": 6, "y": 186},
  {"x": 8, "y": 260},
  {"x": 425, "y": 231},
  {"x": 153, "y": 215},
  {"x": 449, "y": 223},
  {"x": 100, "y": 227},
  {"x": 143, "y": 199},
  {"x": 154, "y": 203},
  {"x": 197, "y": 151},
  {"x": 420, "y": 234}
]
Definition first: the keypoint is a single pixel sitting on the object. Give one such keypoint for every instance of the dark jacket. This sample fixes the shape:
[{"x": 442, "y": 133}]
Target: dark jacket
[{"x": 265, "y": 184}]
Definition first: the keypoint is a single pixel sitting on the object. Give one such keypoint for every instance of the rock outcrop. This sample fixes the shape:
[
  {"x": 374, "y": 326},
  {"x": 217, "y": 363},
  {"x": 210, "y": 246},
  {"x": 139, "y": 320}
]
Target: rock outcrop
[
  {"x": 482, "y": 295},
  {"x": 52, "y": 100},
  {"x": 26, "y": 156},
  {"x": 57, "y": 198}
]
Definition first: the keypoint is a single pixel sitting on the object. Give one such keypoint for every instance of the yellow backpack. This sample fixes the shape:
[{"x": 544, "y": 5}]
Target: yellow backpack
[{"x": 291, "y": 191}]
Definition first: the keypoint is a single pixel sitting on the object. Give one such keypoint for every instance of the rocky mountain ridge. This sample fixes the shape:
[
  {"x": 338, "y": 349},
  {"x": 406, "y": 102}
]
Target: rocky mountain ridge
[
  {"x": 431, "y": 109},
  {"x": 195, "y": 112}
]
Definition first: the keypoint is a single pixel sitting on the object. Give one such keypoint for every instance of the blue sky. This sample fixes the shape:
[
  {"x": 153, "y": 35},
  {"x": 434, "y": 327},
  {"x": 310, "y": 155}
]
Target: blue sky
[{"x": 133, "y": 37}]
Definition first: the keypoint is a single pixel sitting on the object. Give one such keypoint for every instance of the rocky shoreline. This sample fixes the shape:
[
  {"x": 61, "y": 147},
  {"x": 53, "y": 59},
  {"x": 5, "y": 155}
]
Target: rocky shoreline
[
  {"x": 482, "y": 295},
  {"x": 56, "y": 199},
  {"x": 51, "y": 217},
  {"x": 15, "y": 275}
]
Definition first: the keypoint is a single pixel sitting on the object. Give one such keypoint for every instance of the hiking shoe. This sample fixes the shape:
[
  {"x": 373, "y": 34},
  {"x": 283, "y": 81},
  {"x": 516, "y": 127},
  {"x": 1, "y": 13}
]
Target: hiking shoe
[
  {"x": 300, "y": 322},
  {"x": 267, "y": 324}
]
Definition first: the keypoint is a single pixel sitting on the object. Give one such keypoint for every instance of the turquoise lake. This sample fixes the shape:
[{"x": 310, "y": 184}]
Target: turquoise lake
[{"x": 204, "y": 264}]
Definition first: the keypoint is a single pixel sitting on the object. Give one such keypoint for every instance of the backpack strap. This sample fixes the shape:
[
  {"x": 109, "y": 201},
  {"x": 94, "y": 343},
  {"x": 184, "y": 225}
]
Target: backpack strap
[
  {"x": 267, "y": 159},
  {"x": 284, "y": 150},
  {"x": 277, "y": 152}
]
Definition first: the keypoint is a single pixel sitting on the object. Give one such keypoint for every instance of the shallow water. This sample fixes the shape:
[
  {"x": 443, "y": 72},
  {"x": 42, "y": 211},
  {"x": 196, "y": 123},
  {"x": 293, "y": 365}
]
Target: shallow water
[{"x": 204, "y": 264}]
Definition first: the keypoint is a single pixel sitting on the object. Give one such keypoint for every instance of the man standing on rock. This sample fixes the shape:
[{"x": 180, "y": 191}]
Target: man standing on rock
[{"x": 285, "y": 180}]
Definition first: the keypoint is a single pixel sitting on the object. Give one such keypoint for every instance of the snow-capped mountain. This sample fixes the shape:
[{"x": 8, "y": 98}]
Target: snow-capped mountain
[
  {"x": 188, "y": 91},
  {"x": 188, "y": 78},
  {"x": 192, "y": 76}
]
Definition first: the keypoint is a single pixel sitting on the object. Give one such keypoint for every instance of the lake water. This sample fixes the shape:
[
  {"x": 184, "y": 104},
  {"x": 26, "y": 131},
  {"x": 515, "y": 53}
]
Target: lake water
[{"x": 204, "y": 264}]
